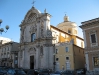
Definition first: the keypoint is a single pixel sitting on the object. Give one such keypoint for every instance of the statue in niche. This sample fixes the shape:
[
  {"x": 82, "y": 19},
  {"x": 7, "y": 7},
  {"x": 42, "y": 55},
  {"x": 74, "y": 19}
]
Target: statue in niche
[
  {"x": 42, "y": 24},
  {"x": 42, "y": 28}
]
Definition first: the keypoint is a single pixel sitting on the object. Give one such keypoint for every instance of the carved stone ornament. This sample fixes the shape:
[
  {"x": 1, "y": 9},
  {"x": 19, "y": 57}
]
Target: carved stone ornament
[
  {"x": 32, "y": 50},
  {"x": 42, "y": 31},
  {"x": 42, "y": 24},
  {"x": 33, "y": 28}
]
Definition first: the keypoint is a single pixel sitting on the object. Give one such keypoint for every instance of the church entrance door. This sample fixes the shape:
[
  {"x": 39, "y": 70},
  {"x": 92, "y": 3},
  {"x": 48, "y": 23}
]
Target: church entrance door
[{"x": 32, "y": 62}]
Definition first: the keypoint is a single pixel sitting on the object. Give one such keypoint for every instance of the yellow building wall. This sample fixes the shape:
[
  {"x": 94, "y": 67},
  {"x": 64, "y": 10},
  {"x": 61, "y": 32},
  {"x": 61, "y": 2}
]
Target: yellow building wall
[
  {"x": 64, "y": 39},
  {"x": 62, "y": 54},
  {"x": 62, "y": 36}
]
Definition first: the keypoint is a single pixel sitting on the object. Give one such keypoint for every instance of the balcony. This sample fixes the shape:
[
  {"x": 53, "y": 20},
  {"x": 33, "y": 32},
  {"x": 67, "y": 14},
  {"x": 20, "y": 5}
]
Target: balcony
[
  {"x": 10, "y": 60},
  {"x": 4, "y": 59}
]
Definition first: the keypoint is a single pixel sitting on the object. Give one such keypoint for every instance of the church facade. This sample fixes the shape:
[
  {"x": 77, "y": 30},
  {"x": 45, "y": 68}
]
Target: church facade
[
  {"x": 38, "y": 39},
  {"x": 36, "y": 48}
]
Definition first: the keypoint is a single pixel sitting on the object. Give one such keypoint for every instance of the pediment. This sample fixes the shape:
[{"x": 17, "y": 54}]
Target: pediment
[{"x": 31, "y": 16}]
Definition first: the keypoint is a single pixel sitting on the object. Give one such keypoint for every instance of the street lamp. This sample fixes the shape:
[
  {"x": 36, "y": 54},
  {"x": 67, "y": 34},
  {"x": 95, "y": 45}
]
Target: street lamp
[{"x": 2, "y": 29}]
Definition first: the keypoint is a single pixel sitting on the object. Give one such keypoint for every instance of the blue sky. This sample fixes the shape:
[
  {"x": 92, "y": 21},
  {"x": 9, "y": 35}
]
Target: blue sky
[{"x": 12, "y": 12}]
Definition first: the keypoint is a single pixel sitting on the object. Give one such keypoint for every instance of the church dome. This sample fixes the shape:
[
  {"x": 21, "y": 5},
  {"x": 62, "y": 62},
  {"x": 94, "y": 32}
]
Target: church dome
[
  {"x": 67, "y": 22},
  {"x": 68, "y": 26}
]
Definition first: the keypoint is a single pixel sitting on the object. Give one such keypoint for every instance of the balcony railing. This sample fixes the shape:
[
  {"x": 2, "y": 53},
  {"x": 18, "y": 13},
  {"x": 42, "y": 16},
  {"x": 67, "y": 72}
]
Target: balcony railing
[
  {"x": 10, "y": 60},
  {"x": 4, "y": 59}
]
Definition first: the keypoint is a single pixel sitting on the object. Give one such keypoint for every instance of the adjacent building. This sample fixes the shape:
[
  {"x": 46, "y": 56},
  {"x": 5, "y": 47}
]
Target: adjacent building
[
  {"x": 4, "y": 40},
  {"x": 91, "y": 39},
  {"x": 9, "y": 54},
  {"x": 69, "y": 56}
]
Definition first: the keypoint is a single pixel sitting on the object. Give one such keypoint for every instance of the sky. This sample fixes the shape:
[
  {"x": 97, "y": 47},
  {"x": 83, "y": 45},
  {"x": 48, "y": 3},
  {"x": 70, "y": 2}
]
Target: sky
[{"x": 12, "y": 12}]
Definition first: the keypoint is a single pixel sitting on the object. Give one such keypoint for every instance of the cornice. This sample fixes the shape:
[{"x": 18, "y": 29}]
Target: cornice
[
  {"x": 89, "y": 23},
  {"x": 92, "y": 48},
  {"x": 36, "y": 41}
]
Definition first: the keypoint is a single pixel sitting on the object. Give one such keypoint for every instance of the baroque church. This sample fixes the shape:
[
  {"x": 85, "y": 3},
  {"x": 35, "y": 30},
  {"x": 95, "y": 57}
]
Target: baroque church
[{"x": 38, "y": 38}]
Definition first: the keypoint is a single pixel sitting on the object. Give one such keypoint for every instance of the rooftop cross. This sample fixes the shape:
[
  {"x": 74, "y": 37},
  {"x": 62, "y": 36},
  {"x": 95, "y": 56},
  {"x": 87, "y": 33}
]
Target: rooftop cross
[
  {"x": 33, "y": 3},
  {"x": 65, "y": 13}
]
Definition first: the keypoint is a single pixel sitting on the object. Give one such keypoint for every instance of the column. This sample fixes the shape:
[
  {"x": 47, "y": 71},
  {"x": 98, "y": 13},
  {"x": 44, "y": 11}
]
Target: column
[{"x": 87, "y": 61}]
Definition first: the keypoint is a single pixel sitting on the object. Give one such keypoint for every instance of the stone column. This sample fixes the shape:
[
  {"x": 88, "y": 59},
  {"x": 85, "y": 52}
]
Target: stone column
[
  {"x": 87, "y": 60},
  {"x": 84, "y": 35}
]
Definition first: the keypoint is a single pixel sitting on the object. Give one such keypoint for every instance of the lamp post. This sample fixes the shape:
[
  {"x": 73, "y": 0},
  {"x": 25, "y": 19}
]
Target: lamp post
[{"x": 2, "y": 29}]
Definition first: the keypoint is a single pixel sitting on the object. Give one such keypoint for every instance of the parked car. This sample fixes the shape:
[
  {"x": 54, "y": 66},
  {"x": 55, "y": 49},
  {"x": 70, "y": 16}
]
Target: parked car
[
  {"x": 3, "y": 72},
  {"x": 16, "y": 72},
  {"x": 44, "y": 71},
  {"x": 68, "y": 72},
  {"x": 81, "y": 71},
  {"x": 33, "y": 72}
]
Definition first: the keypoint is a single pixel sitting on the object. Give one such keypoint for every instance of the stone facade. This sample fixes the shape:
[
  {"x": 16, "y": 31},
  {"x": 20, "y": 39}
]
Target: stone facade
[{"x": 36, "y": 48}]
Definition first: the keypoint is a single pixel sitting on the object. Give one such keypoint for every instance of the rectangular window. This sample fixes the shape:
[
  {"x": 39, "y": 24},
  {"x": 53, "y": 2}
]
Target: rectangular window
[
  {"x": 93, "y": 38},
  {"x": 67, "y": 49},
  {"x": 57, "y": 59},
  {"x": 33, "y": 36},
  {"x": 96, "y": 61},
  {"x": 67, "y": 58}
]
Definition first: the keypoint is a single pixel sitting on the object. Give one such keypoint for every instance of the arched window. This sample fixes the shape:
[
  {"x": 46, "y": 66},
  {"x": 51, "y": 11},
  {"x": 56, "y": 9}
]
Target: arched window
[
  {"x": 33, "y": 37},
  {"x": 69, "y": 31}
]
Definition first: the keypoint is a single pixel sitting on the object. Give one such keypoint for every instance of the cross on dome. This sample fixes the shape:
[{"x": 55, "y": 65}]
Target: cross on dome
[{"x": 33, "y": 2}]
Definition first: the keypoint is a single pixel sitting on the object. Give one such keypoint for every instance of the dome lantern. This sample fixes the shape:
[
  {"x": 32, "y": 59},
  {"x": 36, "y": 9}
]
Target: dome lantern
[{"x": 66, "y": 18}]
